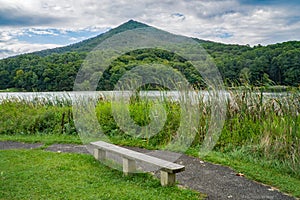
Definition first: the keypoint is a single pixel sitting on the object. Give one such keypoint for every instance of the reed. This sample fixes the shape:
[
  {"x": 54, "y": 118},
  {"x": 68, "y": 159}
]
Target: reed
[{"x": 257, "y": 124}]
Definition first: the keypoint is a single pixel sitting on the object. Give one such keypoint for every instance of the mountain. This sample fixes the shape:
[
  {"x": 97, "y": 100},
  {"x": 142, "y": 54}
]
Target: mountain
[
  {"x": 56, "y": 69},
  {"x": 91, "y": 43}
]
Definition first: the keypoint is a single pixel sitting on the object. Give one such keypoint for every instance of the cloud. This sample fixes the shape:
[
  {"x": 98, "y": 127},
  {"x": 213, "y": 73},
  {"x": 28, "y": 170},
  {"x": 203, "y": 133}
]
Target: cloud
[
  {"x": 17, "y": 17},
  {"x": 234, "y": 22},
  {"x": 14, "y": 47},
  {"x": 178, "y": 16},
  {"x": 229, "y": 21},
  {"x": 5, "y": 36},
  {"x": 42, "y": 31},
  {"x": 269, "y": 2},
  {"x": 19, "y": 41}
]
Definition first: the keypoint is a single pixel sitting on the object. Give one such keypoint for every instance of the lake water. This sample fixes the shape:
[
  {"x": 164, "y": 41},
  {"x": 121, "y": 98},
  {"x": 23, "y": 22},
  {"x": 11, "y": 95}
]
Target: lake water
[
  {"x": 53, "y": 96},
  {"x": 89, "y": 94}
]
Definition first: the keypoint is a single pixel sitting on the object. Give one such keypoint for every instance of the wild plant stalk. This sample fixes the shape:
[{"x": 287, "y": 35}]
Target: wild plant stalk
[{"x": 266, "y": 127}]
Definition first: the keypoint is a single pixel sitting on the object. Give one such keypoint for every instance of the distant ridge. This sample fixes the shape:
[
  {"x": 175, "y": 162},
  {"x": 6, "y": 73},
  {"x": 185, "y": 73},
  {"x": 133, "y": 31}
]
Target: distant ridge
[
  {"x": 89, "y": 44},
  {"x": 56, "y": 69}
]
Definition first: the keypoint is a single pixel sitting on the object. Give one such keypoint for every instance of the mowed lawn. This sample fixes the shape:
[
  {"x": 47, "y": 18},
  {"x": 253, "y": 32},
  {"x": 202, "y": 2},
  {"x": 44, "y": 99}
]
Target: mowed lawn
[{"x": 37, "y": 174}]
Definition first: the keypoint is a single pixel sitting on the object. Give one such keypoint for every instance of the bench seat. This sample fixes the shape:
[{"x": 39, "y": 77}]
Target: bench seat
[{"x": 167, "y": 169}]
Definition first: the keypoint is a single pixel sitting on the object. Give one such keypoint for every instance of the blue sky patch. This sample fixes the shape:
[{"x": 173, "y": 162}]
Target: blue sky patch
[
  {"x": 55, "y": 36},
  {"x": 224, "y": 35}
]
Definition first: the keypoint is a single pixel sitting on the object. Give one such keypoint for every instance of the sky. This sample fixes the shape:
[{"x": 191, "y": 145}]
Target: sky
[{"x": 31, "y": 25}]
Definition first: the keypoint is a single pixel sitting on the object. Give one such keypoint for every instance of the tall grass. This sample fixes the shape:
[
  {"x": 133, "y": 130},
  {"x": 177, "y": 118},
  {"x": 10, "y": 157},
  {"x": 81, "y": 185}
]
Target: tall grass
[
  {"x": 38, "y": 116},
  {"x": 270, "y": 125},
  {"x": 139, "y": 112},
  {"x": 258, "y": 125}
]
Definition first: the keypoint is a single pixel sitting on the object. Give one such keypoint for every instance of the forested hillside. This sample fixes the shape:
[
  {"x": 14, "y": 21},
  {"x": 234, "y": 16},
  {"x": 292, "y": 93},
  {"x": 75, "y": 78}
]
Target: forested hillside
[{"x": 56, "y": 69}]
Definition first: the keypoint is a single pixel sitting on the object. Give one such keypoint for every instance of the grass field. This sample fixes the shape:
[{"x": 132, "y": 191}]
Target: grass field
[
  {"x": 36, "y": 174},
  {"x": 273, "y": 173},
  {"x": 260, "y": 137}
]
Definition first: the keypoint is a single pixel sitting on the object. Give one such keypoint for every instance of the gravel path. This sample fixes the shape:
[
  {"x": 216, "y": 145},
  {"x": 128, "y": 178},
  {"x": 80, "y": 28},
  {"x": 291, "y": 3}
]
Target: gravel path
[{"x": 217, "y": 181}]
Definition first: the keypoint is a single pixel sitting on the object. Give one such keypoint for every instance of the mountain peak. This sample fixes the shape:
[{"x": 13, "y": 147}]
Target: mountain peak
[
  {"x": 131, "y": 24},
  {"x": 88, "y": 44}
]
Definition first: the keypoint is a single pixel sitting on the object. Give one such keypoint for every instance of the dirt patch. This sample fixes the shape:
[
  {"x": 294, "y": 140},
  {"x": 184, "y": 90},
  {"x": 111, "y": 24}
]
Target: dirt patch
[
  {"x": 18, "y": 145},
  {"x": 68, "y": 148}
]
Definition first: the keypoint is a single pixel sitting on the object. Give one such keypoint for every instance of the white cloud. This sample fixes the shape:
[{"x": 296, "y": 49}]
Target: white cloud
[
  {"x": 73, "y": 39},
  {"x": 41, "y": 31},
  {"x": 228, "y": 21},
  {"x": 5, "y": 36},
  {"x": 14, "y": 47}
]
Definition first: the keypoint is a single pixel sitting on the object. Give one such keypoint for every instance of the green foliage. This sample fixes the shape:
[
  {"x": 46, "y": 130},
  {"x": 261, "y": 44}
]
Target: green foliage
[
  {"x": 30, "y": 72},
  {"x": 56, "y": 69},
  {"x": 22, "y": 117},
  {"x": 139, "y": 111},
  {"x": 259, "y": 130},
  {"x": 266, "y": 127},
  {"x": 270, "y": 125},
  {"x": 142, "y": 57}
]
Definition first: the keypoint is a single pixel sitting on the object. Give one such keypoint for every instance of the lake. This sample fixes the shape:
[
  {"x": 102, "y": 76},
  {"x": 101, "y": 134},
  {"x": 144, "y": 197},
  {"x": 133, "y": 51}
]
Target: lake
[{"x": 72, "y": 95}]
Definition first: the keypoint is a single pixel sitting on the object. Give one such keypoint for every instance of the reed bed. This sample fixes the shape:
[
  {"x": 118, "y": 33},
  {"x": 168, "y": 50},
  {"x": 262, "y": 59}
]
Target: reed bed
[{"x": 258, "y": 125}]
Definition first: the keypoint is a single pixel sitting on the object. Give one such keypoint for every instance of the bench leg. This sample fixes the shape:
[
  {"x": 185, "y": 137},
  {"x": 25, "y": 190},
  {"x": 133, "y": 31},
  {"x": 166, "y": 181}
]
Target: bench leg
[
  {"x": 167, "y": 179},
  {"x": 129, "y": 166},
  {"x": 100, "y": 154}
]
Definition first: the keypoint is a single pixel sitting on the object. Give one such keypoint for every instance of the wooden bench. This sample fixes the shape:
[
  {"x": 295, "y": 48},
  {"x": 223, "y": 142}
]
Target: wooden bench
[{"x": 167, "y": 169}]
